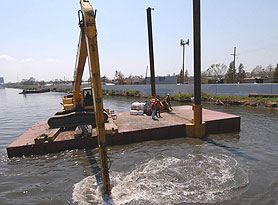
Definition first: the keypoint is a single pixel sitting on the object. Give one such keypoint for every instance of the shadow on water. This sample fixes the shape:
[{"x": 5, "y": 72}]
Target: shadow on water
[
  {"x": 97, "y": 172},
  {"x": 232, "y": 150}
]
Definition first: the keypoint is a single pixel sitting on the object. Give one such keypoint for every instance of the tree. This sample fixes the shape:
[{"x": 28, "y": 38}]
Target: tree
[
  {"x": 180, "y": 77},
  {"x": 42, "y": 82},
  {"x": 269, "y": 71},
  {"x": 229, "y": 77},
  {"x": 275, "y": 75},
  {"x": 204, "y": 77},
  {"x": 241, "y": 73},
  {"x": 30, "y": 81},
  {"x": 186, "y": 76},
  {"x": 104, "y": 79},
  {"x": 217, "y": 72},
  {"x": 119, "y": 76},
  {"x": 130, "y": 79},
  {"x": 258, "y": 71}
]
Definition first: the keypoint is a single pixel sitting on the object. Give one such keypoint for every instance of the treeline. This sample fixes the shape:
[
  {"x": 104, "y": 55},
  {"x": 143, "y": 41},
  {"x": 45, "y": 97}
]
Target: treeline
[
  {"x": 220, "y": 73},
  {"x": 216, "y": 73},
  {"x": 33, "y": 81}
]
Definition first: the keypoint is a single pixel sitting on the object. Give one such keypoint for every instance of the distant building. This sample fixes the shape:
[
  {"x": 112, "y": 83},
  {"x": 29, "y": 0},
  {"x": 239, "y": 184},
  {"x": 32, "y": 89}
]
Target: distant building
[
  {"x": 163, "y": 80},
  {"x": 132, "y": 81},
  {"x": 1, "y": 80}
]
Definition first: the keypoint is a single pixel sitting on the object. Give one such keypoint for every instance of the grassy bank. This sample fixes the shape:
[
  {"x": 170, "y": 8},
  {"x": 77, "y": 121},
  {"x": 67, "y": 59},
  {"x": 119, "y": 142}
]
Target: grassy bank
[
  {"x": 65, "y": 90},
  {"x": 206, "y": 98},
  {"x": 230, "y": 100},
  {"x": 128, "y": 93}
]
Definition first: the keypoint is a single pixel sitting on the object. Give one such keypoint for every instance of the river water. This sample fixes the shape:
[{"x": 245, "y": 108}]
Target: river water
[{"x": 236, "y": 168}]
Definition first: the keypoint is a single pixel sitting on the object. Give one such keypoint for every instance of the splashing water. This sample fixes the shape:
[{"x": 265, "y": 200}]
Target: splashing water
[{"x": 197, "y": 179}]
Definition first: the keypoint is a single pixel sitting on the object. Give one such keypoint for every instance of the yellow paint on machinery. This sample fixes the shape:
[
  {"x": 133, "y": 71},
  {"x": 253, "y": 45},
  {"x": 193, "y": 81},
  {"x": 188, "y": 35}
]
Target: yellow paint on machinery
[
  {"x": 85, "y": 106},
  {"x": 164, "y": 106},
  {"x": 197, "y": 128},
  {"x": 88, "y": 30},
  {"x": 80, "y": 100}
]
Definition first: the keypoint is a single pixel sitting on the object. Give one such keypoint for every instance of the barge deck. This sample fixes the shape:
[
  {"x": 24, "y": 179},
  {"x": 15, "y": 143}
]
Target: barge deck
[{"x": 126, "y": 129}]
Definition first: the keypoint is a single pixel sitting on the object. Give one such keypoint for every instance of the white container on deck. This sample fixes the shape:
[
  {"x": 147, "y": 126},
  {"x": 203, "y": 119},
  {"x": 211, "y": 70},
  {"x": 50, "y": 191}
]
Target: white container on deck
[
  {"x": 137, "y": 106},
  {"x": 133, "y": 112}
]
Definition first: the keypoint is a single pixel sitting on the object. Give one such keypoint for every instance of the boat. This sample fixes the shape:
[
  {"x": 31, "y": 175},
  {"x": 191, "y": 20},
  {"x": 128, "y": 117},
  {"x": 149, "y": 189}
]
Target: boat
[{"x": 39, "y": 90}]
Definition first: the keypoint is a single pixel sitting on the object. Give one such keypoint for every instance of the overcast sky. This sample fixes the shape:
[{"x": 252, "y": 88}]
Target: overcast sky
[{"x": 39, "y": 38}]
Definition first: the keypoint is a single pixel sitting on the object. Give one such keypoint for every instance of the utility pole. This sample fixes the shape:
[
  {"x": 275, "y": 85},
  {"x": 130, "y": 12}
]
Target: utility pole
[
  {"x": 234, "y": 70},
  {"x": 183, "y": 43},
  {"x": 151, "y": 56}
]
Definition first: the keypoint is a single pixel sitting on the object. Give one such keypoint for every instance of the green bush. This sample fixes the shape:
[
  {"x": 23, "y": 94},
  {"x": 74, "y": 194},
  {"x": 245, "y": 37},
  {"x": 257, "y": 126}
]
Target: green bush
[
  {"x": 132, "y": 93},
  {"x": 112, "y": 92},
  {"x": 182, "y": 97}
]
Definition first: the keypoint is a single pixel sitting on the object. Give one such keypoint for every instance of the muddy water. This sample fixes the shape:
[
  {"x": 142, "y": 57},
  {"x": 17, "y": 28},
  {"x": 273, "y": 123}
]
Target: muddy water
[{"x": 236, "y": 168}]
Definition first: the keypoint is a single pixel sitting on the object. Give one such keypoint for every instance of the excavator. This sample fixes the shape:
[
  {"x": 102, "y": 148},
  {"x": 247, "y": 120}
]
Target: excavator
[{"x": 78, "y": 107}]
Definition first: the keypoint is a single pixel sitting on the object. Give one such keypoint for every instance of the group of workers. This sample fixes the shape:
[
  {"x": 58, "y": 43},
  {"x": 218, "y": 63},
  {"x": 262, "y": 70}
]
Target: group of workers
[{"x": 155, "y": 108}]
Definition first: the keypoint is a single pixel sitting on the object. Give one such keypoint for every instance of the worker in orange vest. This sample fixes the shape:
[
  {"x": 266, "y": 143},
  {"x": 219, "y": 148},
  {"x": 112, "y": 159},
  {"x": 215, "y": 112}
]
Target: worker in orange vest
[{"x": 157, "y": 106}]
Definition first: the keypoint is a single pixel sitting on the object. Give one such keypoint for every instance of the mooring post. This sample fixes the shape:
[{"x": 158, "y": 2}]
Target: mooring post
[
  {"x": 197, "y": 127},
  {"x": 151, "y": 56},
  {"x": 197, "y": 52}
]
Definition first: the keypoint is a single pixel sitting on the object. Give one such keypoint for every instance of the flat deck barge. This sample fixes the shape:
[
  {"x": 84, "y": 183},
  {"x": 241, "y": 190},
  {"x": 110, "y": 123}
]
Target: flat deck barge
[{"x": 129, "y": 129}]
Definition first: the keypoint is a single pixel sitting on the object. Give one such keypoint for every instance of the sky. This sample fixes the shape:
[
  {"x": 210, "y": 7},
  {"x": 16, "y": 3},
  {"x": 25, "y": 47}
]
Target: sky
[{"x": 39, "y": 38}]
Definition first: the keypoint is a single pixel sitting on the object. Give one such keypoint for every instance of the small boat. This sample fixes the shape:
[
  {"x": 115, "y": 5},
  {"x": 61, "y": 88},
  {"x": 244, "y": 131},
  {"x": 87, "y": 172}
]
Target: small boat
[{"x": 39, "y": 90}]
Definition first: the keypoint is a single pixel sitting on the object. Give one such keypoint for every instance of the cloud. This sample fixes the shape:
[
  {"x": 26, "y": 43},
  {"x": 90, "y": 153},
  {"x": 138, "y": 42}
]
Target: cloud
[
  {"x": 7, "y": 58},
  {"x": 14, "y": 70},
  {"x": 28, "y": 60}
]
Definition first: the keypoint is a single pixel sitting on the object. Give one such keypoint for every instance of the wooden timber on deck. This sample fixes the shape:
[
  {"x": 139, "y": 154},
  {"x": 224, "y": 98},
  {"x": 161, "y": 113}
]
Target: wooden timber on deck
[{"x": 129, "y": 129}]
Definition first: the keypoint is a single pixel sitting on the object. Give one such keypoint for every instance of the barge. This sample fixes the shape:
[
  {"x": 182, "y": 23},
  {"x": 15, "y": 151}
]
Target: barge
[{"x": 120, "y": 130}]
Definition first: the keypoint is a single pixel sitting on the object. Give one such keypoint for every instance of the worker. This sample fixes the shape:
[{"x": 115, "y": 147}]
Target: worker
[
  {"x": 153, "y": 109},
  {"x": 157, "y": 106},
  {"x": 168, "y": 101}
]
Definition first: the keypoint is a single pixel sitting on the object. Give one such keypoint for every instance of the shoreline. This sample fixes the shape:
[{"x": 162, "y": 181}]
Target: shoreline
[
  {"x": 211, "y": 99},
  {"x": 230, "y": 100},
  {"x": 264, "y": 102}
]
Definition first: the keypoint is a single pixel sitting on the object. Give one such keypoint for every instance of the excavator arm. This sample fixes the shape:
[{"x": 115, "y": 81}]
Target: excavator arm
[
  {"x": 74, "y": 113},
  {"x": 89, "y": 33},
  {"x": 79, "y": 66}
]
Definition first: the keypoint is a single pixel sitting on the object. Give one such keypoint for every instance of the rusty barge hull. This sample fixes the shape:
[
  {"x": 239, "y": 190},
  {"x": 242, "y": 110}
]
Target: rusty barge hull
[{"x": 131, "y": 129}]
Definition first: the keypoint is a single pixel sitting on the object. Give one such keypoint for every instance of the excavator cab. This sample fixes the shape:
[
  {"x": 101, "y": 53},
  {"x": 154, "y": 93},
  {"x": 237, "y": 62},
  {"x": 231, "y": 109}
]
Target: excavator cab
[
  {"x": 86, "y": 101},
  {"x": 87, "y": 98}
]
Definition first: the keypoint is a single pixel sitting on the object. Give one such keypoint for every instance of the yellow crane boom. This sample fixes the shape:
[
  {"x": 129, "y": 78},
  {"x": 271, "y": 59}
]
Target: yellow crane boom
[{"x": 88, "y": 47}]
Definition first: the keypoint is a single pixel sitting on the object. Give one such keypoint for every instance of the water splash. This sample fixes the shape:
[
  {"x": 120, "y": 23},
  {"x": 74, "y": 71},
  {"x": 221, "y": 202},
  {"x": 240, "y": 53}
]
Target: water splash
[{"x": 197, "y": 179}]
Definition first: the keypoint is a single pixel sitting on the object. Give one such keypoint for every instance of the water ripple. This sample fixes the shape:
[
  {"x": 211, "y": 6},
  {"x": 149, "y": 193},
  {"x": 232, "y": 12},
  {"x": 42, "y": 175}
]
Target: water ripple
[{"x": 197, "y": 179}]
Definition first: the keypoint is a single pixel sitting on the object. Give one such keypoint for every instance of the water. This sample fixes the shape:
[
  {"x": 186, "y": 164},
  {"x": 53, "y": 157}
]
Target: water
[{"x": 236, "y": 168}]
